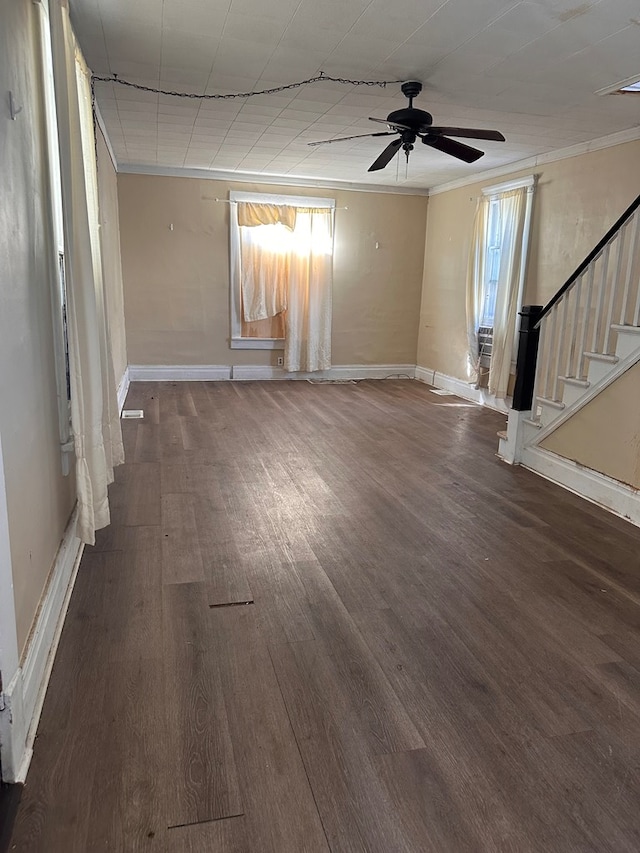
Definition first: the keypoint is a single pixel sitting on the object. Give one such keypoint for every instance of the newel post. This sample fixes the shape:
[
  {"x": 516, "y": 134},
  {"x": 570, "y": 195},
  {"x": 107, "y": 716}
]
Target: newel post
[{"x": 527, "y": 358}]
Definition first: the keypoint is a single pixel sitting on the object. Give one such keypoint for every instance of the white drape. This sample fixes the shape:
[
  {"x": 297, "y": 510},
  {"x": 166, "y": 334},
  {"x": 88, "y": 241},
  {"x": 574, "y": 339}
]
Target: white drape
[
  {"x": 265, "y": 252},
  {"x": 307, "y": 344},
  {"x": 292, "y": 271},
  {"x": 513, "y": 206},
  {"x": 475, "y": 281},
  {"x": 94, "y": 410}
]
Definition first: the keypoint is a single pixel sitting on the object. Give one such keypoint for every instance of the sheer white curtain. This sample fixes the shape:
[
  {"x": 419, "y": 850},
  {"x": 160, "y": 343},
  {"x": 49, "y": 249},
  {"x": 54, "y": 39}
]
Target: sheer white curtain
[
  {"x": 476, "y": 282},
  {"x": 307, "y": 344},
  {"x": 513, "y": 216},
  {"x": 94, "y": 411},
  {"x": 290, "y": 269}
]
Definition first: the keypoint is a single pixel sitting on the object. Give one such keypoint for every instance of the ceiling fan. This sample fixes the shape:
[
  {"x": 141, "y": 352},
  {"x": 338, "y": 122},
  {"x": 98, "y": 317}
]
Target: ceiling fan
[{"x": 411, "y": 124}]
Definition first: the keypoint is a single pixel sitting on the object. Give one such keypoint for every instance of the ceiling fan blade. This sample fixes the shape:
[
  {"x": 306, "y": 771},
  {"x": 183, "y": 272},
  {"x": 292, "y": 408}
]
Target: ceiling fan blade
[
  {"x": 455, "y": 149},
  {"x": 390, "y": 123},
  {"x": 387, "y": 155},
  {"x": 358, "y": 136},
  {"x": 468, "y": 133}
]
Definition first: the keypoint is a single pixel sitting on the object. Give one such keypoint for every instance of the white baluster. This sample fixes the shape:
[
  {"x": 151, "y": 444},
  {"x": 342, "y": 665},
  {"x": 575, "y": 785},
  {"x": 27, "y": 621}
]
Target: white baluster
[
  {"x": 585, "y": 323},
  {"x": 633, "y": 224},
  {"x": 553, "y": 329},
  {"x": 553, "y": 343},
  {"x": 573, "y": 339},
  {"x": 600, "y": 304},
  {"x": 613, "y": 287},
  {"x": 540, "y": 368},
  {"x": 562, "y": 337}
]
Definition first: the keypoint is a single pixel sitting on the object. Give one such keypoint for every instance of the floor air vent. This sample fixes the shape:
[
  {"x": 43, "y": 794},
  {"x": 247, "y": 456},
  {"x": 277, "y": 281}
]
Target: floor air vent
[{"x": 132, "y": 413}]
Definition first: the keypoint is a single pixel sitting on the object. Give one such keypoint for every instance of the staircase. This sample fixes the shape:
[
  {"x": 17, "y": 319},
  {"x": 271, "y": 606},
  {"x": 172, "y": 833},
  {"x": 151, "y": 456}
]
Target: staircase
[{"x": 589, "y": 334}]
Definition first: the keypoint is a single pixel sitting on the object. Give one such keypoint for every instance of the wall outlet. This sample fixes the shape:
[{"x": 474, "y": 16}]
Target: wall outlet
[{"x": 280, "y": 361}]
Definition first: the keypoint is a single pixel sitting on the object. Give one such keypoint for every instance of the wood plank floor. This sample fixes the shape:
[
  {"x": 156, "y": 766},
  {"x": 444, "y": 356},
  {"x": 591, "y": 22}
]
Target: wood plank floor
[{"x": 327, "y": 618}]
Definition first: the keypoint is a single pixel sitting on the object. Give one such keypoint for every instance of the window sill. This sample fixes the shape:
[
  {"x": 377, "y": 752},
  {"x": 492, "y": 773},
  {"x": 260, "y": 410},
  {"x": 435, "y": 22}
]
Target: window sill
[{"x": 256, "y": 343}]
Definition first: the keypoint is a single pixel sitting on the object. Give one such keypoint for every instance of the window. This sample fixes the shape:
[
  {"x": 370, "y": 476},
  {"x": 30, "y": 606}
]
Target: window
[
  {"x": 495, "y": 285},
  {"x": 268, "y": 252},
  {"x": 59, "y": 292}
]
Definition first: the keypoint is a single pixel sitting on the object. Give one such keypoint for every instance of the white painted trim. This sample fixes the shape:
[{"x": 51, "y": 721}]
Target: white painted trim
[
  {"x": 107, "y": 141},
  {"x": 123, "y": 389},
  {"x": 508, "y": 186},
  {"x": 630, "y": 135},
  {"x": 9, "y": 652},
  {"x": 24, "y": 695},
  {"x": 267, "y": 180},
  {"x": 596, "y": 388},
  {"x": 341, "y": 371},
  {"x": 466, "y": 390},
  {"x": 256, "y": 343},
  {"x": 617, "y": 497},
  {"x": 179, "y": 372}
]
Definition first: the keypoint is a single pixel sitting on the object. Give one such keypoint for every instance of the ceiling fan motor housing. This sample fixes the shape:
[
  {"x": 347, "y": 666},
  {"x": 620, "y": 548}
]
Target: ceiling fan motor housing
[
  {"x": 411, "y": 88},
  {"x": 418, "y": 120}
]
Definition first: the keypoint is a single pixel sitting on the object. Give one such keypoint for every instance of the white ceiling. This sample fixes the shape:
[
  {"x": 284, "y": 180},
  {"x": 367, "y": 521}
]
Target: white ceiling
[{"x": 530, "y": 68}]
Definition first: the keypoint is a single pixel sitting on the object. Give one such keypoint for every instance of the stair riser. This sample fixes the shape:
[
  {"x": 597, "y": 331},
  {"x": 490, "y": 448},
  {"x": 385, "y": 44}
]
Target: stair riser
[
  {"x": 572, "y": 393},
  {"x": 549, "y": 414},
  {"x": 598, "y": 370},
  {"x": 627, "y": 343}
]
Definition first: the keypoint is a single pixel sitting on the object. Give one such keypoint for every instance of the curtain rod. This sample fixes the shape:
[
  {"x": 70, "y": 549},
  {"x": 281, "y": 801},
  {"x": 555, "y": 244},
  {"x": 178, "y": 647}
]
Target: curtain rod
[{"x": 233, "y": 201}]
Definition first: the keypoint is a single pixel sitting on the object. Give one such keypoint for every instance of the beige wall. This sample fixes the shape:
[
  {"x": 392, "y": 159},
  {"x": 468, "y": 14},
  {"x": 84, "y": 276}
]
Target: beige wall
[
  {"x": 39, "y": 498},
  {"x": 111, "y": 263},
  {"x": 176, "y": 283},
  {"x": 605, "y": 434},
  {"x": 576, "y": 201}
]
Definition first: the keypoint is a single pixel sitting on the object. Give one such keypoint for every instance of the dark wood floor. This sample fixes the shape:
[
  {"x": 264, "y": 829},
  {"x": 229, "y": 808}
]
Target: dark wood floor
[{"x": 327, "y": 618}]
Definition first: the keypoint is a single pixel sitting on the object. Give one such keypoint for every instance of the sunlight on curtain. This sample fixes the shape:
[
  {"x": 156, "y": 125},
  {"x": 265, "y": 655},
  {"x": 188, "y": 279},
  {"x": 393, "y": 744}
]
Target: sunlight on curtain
[
  {"x": 495, "y": 278},
  {"x": 94, "y": 412},
  {"x": 475, "y": 283},
  {"x": 307, "y": 344},
  {"x": 265, "y": 252},
  {"x": 290, "y": 273},
  {"x": 254, "y": 213},
  {"x": 512, "y": 216}
]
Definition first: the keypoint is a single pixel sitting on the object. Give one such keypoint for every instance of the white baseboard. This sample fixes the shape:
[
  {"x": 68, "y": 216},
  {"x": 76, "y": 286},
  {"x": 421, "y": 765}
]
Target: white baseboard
[
  {"x": 340, "y": 371},
  {"x": 24, "y": 695},
  {"x": 222, "y": 372},
  {"x": 178, "y": 372},
  {"x": 466, "y": 390},
  {"x": 617, "y": 497},
  {"x": 123, "y": 389}
]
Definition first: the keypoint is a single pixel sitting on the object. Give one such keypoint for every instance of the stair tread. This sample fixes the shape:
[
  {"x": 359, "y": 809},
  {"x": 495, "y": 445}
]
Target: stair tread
[
  {"x": 546, "y": 401},
  {"x": 502, "y": 434},
  {"x": 622, "y": 327},
  {"x": 572, "y": 380},
  {"x": 602, "y": 356}
]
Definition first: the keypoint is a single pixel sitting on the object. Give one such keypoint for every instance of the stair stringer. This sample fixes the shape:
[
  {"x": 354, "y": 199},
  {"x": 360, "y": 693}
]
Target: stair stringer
[
  {"x": 589, "y": 394},
  {"x": 525, "y": 430}
]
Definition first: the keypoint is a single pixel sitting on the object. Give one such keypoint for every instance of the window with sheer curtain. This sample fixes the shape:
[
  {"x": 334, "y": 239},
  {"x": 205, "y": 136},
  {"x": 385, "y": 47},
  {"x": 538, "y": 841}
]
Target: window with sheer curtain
[
  {"x": 495, "y": 279},
  {"x": 281, "y": 277}
]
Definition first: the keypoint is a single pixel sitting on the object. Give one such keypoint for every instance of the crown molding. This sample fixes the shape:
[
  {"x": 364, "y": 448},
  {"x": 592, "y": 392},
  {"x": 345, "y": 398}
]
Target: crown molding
[
  {"x": 267, "y": 180},
  {"x": 619, "y": 138}
]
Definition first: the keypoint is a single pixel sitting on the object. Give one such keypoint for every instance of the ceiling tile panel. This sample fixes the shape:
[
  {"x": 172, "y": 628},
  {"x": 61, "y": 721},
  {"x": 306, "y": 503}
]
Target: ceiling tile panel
[{"x": 528, "y": 68}]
